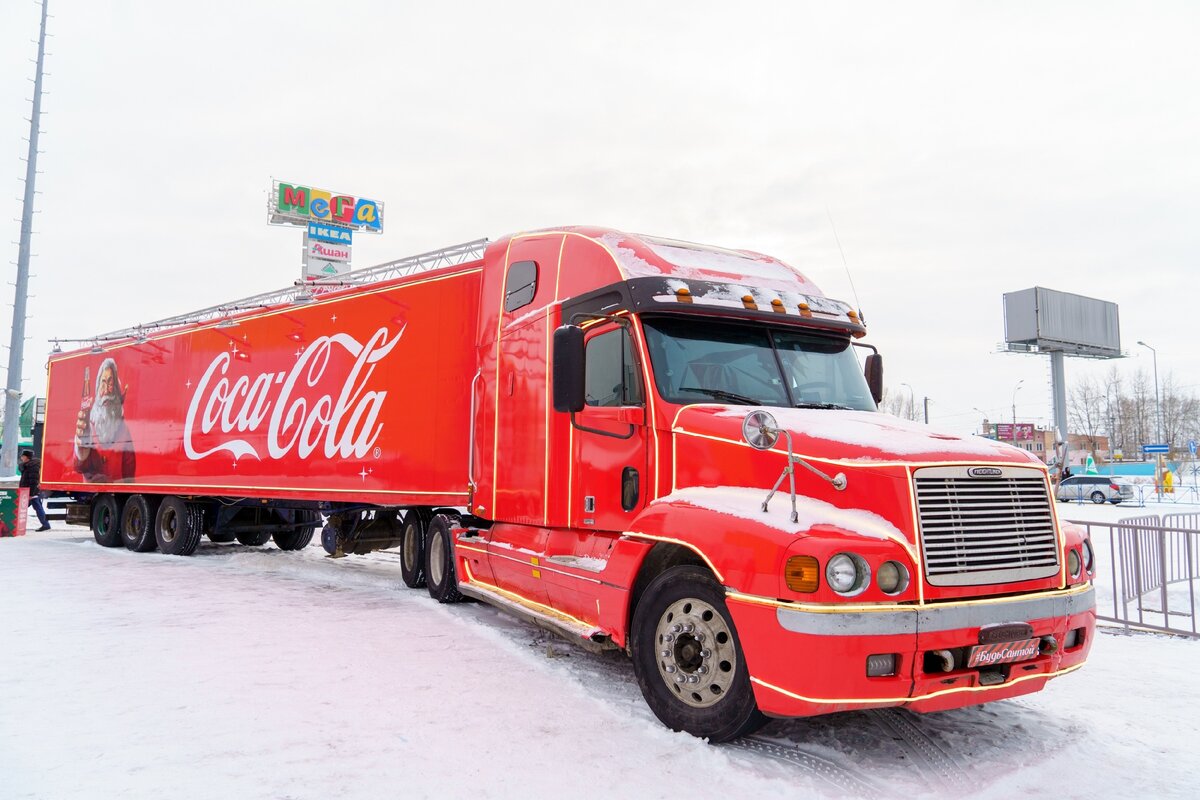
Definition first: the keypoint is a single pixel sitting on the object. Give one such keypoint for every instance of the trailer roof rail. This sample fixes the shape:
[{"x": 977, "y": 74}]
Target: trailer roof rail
[{"x": 307, "y": 291}]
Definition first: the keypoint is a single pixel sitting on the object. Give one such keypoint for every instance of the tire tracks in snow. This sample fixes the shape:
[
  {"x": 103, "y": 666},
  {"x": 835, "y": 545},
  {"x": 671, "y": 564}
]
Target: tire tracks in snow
[
  {"x": 832, "y": 773},
  {"x": 940, "y": 769}
]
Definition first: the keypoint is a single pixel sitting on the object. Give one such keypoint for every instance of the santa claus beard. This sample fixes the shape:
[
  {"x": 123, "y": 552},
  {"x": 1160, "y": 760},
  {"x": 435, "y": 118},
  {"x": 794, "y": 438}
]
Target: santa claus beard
[{"x": 107, "y": 414}]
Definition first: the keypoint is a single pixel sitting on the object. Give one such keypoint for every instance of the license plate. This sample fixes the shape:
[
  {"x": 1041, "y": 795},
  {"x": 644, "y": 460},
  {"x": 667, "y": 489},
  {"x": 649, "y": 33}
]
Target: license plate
[{"x": 985, "y": 655}]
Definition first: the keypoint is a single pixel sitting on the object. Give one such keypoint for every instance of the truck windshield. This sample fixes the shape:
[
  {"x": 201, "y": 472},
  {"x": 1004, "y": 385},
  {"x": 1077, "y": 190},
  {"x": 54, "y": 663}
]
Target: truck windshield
[{"x": 699, "y": 360}]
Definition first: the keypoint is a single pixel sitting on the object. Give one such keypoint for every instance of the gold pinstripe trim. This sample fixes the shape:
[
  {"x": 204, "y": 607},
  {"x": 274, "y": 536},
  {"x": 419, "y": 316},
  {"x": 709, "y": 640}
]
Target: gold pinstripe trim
[
  {"x": 954, "y": 690},
  {"x": 133, "y": 486},
  {"x": 681, "y": 543},
  {"x": 521, "y": 600},
  {"x": 842, "y": 608}
]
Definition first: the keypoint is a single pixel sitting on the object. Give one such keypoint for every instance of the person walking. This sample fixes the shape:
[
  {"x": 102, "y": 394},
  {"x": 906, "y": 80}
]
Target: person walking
[{"x": 31, "y": 477}]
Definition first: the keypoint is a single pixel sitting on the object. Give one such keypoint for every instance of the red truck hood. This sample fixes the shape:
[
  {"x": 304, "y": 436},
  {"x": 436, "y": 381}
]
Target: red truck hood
[{"x": 854, "y": 435}]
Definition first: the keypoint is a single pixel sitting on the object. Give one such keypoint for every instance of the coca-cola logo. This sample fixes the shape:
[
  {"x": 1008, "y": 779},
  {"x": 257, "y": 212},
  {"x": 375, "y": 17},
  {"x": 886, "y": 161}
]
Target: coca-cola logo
[{"x": 342, "y": 423}]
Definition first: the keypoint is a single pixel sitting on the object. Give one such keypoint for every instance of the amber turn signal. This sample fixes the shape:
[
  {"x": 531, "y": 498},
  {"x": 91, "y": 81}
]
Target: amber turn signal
[
  {"x": 802, "y": 574},
  {"x": 683, "y": 294}
]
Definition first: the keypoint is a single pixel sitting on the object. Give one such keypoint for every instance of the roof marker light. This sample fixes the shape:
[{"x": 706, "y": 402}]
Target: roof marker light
[
  {"x": 777, "y": 306},
  {"x": 683, "y": 294},
  {"x": 804, "y": 310},
  {"x": 748, "y": 302}
]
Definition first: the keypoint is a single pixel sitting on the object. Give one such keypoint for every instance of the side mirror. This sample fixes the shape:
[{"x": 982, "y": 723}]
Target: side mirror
[
  {"x": 873, "y": 370},
  {"x": 567, "y": 368}
]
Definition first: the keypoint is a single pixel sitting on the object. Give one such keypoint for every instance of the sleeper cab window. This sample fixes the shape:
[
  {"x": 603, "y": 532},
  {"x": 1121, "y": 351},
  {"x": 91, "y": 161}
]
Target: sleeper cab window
[
  {"x": 521, "y": 285},
  {"x": 610, "y": 373}
]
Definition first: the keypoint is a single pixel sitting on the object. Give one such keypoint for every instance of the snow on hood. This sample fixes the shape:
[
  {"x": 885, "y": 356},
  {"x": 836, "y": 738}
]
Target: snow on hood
[
  {"x": 746, "y": 503},
  {"x": 874, "y": 435}
]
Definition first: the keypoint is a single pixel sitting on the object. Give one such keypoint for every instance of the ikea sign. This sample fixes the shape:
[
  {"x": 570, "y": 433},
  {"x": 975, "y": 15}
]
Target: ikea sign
[{"x": 334, "y": 234}]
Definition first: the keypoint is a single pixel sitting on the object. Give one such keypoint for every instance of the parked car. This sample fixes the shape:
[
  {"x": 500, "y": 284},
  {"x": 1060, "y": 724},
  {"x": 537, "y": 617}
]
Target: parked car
[{"x": 1097, "y": 488}]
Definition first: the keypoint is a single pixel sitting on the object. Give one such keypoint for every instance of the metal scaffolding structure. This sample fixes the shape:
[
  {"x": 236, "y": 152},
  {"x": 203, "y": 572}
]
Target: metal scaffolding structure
[{"x": 304, "y": 291}]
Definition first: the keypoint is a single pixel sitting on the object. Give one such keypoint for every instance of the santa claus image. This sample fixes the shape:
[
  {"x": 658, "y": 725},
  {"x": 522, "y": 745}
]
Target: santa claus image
[{"x": 103, "y": 448}]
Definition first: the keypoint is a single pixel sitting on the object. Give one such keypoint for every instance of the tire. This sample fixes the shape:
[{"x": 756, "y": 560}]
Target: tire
[
  {"x": 1098, "y": 498},
  {"x": 719, "y": 705},
  {"x": 299, "y": 538},
  {"x": 222, "y": 538},
  {"x": 137, "y": 523},
  {"x": 253, "y": 539},
  {"x": 440, "y": 577},
  {"x": 176, "y": 527},
  {"x": 106, "y": 521},
  {"x": 412, "y": 548}
]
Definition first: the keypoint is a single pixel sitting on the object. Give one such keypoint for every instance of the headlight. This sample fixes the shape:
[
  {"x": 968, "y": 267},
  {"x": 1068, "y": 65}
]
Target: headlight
[
  {"x": 848, "y": 574},
  {"x": 1089, "y": 557},
  {"x": 1073, "y": 563},
  {"x": 892, "y": 577}
]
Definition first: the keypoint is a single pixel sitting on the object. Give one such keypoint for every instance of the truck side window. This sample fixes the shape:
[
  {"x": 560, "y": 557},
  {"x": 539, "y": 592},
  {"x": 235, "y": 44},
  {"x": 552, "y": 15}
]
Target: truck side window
[
  {"x": 610, "y": 372},
  {"x": 521, "y": 285}
]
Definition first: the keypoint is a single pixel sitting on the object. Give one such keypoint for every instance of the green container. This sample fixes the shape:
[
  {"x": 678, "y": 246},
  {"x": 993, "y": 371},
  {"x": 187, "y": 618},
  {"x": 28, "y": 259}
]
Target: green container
[{"x": 12, "y": 511}]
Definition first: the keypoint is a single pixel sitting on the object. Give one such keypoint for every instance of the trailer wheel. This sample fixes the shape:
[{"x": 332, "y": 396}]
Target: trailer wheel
[
  {"x": 137, "y": 522},
  {"x": 440, "y": 576},
  {"x": 176, "y": 527},
  {"x": 412, "y": 548},
  {"x": 688, "y": 659},
  {"x": 329, "y": 539},
  {"x": 299, "y": 538},
  {"x": 106, "y": 521},
  {"x": 253, "y": 538},
  {"x": 221, "y": 538}
]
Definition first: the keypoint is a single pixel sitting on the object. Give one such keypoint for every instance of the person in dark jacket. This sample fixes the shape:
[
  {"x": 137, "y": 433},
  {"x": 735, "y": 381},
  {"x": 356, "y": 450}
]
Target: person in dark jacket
[{"x": 31, "y": 477}]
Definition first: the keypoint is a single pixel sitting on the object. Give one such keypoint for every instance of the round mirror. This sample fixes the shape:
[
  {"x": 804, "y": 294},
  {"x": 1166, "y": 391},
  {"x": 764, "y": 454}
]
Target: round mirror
[{"x": 760, "y": 430}]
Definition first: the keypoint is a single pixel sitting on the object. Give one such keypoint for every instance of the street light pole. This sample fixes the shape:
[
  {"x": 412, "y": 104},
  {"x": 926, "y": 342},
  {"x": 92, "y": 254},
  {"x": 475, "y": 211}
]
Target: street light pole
[
  {"x": 1157, "y": 405},
  {"x": 912, "y": 401},
  {"x": 1016, "y": 389}
]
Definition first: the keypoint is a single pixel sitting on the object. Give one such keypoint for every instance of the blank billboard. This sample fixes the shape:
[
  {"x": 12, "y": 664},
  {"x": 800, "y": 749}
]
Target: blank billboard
[{"x": 1051, "y": 320}]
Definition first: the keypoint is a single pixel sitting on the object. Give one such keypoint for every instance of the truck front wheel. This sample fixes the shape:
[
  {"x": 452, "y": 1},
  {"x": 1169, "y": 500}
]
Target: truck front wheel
[
  {"x": 440, "y": 576},
  {"x": 688, "y": 659},
  {"x": 137, "y": 523},
  {"x": 106, "y": 521}
]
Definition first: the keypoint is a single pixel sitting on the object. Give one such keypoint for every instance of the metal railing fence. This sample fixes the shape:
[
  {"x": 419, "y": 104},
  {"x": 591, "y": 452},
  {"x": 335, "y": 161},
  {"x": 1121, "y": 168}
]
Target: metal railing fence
[{"x": 1147, "y": 571}]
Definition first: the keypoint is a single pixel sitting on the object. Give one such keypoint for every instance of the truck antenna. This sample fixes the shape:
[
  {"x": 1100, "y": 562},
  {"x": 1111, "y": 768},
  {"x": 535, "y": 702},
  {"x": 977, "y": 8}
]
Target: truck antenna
[{"x": 837, "y": 239}]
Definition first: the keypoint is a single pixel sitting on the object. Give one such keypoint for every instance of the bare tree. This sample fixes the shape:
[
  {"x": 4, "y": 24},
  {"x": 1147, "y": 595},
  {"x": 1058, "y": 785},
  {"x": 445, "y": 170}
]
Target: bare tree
[
  {"x": 899, "y": 404},
  {"x": 1086, "y": 409}
]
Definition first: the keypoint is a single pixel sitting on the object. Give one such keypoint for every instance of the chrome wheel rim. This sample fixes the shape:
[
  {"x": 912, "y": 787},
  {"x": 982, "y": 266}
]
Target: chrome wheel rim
[
  {"x": 695, "y": 653},
  {"x": 170, "y": 526}
]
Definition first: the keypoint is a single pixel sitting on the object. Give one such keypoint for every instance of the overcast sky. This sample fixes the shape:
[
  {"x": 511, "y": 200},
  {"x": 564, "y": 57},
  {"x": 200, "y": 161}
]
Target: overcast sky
[{"x": 963, "y": 151}]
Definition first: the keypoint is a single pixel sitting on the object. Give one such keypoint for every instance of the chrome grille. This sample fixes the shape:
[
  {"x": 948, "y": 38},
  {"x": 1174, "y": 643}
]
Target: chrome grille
[{"x": 996, "y": 528}]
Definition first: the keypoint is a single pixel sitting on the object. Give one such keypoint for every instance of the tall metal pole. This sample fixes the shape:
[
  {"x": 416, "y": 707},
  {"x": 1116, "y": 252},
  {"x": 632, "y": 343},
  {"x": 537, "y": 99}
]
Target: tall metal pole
[
  {"x": 1058, "y": 385},
  {"x": 912, "y": 401},
  {"x": 1158, "y": 459},
  {"x": 1014, "y": 406},
  {"x": 16, "y": 351}
]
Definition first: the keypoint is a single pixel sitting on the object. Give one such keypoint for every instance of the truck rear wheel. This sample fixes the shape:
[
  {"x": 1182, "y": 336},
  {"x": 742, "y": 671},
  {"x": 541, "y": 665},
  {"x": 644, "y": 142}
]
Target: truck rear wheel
[
  {"x": 412, "y": 548},
  {"x": 176, "y": 527},
  {"x": 254, "y": 538},
  {"x": 106, "y": 521},
  {"x": 137, "y": 523},
  {"x": 688, "y": 659},
  {"x": 440, "y": 576},
  {"x": 299, "y": 538}
]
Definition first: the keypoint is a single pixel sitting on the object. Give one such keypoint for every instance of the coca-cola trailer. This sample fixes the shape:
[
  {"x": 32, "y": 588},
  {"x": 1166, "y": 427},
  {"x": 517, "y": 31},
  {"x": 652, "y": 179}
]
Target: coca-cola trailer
[{"x": 641, "y": 444}]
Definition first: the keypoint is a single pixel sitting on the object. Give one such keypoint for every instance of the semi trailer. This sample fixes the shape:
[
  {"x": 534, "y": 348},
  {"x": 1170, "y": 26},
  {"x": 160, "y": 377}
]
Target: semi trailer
[{"x": 665, "y": 448}]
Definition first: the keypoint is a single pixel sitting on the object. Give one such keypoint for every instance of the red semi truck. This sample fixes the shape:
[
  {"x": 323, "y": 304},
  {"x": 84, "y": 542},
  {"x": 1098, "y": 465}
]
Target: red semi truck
[{"x": 639, "y": 443}]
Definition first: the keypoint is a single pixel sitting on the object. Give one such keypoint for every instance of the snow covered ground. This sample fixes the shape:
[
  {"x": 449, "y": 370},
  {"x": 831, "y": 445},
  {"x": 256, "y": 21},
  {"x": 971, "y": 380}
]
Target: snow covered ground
[{"x": 262, "y": 674}]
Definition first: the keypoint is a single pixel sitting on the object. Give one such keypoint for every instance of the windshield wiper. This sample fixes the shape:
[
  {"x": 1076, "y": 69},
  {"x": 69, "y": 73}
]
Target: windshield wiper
[
  {"x": 824, "y": 405},
  {"x": 721, "y": 394}
]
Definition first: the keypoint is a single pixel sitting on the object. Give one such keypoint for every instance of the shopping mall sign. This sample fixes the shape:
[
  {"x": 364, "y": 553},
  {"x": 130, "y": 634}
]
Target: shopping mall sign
[{"x": 296, "y": 204}]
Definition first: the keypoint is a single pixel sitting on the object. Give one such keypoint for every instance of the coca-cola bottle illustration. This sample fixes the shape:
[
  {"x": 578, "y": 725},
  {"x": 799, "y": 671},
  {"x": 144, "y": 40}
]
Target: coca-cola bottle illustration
[{"x": 83, "y": 430}]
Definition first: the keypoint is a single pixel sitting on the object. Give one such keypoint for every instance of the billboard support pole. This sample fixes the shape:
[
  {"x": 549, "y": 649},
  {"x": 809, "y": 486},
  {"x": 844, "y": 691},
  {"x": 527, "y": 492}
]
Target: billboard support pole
[
  {"x": 1058, "y": 379},
  {"x": 16, "y": 351}
]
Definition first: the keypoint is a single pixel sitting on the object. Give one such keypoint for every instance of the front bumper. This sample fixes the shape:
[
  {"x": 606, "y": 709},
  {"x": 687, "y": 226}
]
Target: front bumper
[{"x": 811, "y": 659}]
